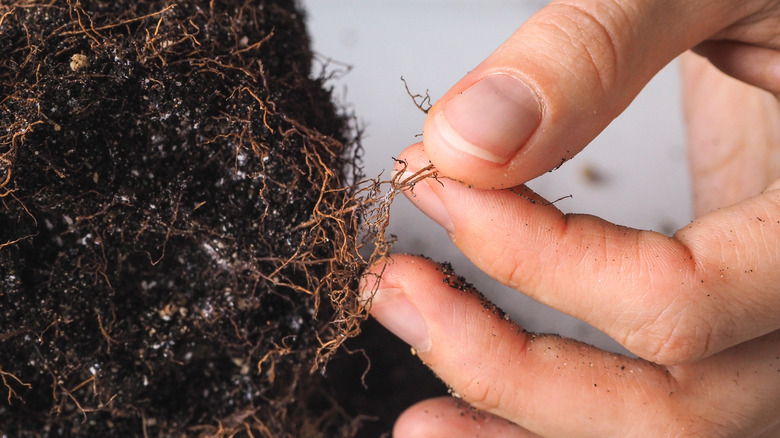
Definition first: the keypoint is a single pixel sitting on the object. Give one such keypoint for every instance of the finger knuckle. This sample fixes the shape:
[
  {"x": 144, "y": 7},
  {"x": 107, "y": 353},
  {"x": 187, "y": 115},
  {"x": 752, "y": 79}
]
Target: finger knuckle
[
  {"x": 672, "y": 338},
  {"x": 484, "y": 394},
  {"x": 524, "y": 275}
]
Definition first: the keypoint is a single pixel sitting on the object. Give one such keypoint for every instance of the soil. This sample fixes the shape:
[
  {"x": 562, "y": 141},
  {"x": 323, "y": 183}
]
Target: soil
[
  {"x": 171, "y": 260},
  {"x": 178, "y": 251}
]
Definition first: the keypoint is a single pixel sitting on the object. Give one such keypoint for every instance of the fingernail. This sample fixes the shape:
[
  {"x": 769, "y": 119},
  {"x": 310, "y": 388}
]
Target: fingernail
[
  {"x": 426, "y": 200},
  {"x": 394, "y": 311},
  {"x": 491, "y": 120}
]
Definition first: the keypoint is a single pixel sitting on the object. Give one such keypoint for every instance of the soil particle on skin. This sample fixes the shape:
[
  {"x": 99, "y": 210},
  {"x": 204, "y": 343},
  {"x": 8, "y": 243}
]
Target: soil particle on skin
[
  {"x": 459, "y": 283},
  {"x": 171, "y": 263}
]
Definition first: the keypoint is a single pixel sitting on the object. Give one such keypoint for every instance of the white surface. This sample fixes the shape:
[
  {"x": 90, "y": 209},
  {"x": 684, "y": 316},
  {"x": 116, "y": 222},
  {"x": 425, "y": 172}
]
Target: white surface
[{"x": 432, "y": 43}]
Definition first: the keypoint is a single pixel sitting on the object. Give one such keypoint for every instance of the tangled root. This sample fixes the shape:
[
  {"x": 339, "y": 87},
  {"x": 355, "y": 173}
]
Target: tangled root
[{"x": 181, "y": 237}]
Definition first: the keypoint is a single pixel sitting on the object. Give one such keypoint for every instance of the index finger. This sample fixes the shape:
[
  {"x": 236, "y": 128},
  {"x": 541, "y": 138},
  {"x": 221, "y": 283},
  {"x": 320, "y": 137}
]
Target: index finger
[{"x": 666, "y": 299}]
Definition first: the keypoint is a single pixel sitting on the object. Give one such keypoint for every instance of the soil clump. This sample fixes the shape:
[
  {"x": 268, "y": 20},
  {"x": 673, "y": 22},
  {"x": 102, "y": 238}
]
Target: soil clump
[{"x": 178, "y": 250}]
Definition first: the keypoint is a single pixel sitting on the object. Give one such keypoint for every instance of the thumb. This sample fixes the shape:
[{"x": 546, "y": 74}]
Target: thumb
[{"x": 558, "y": 81}]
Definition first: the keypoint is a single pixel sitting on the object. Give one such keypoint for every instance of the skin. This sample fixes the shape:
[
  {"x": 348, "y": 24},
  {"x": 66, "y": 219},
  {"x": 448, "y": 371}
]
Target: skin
[{"x": 699, "y": 309}]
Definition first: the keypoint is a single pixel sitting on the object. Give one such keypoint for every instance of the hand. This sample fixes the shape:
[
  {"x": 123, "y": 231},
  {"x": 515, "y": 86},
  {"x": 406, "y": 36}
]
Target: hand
[{"x": 700, "y": 309}]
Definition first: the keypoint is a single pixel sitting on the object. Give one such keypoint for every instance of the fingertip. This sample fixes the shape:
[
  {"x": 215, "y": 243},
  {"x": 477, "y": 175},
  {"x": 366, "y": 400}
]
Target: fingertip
[
  {"x": 369, "y": 281},
  {"x": 447, "y": 417},
  {"x": 386, "y": 297},
  {"x": 489, "y": 121},
  {"x": 413, "y": 158},
  {"x": 429, "y": 307},
  {"x": 460, "y": 159}
]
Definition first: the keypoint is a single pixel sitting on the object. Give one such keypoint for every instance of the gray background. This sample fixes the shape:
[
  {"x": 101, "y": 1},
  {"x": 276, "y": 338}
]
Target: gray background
[{"x": 432, "y": 44}]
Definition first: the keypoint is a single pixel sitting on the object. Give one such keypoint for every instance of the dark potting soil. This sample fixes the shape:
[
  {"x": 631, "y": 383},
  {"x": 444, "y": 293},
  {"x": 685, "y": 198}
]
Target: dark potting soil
[{"x": 178, "y": 254}]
